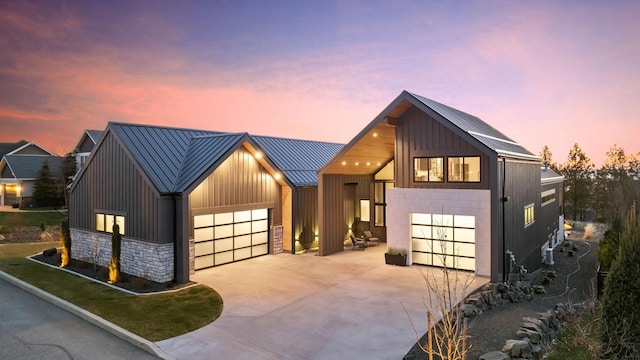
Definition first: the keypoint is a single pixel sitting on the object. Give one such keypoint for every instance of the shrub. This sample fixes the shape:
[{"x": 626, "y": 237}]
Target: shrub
[
  {"x": 539, "y": 289},
  {"x": 66, "y": 243},
  {"x": 396, "y": 251},
  {"x": 114, "y": 266},
  {"x": 608, "y": 249},
  {"x": 621, "y": 315},
  {"x": 42, "y": 227}
]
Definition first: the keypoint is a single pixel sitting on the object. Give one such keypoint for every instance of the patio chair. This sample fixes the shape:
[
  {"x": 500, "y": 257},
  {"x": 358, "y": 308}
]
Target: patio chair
[
  {"x": 368, "y": 236},
  {"x": 358, "y": 243}
]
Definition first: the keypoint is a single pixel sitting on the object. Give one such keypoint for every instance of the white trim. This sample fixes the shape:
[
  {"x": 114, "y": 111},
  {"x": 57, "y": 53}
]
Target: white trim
[
  {"x": 548, "y": 192},
  {"x": 527, "y": 156},
  {"x": 493, "y": 138}
]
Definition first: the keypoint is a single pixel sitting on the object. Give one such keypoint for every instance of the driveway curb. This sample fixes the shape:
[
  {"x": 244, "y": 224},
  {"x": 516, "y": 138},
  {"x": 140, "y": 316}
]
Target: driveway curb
[{"x": 111, "y": 328}]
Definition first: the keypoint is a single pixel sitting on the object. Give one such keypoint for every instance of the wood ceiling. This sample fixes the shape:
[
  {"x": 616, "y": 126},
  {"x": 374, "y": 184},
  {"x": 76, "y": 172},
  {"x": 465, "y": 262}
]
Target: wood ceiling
[{"x": 369, "y": 154}]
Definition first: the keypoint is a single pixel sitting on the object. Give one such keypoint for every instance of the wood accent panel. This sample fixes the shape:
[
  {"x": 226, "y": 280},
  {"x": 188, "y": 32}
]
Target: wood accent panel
[
  {"x": 369, "y": 154},
  {"x": 113, "y": 183},
  {"x": 287, "y": 219}
]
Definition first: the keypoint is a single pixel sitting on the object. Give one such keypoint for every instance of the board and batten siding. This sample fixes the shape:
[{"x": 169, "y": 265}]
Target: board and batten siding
[
  {"x": 332, "y": 218},
  {"x": 239, "y": 183},
  {"x": 113, "y": 183},
  {"x": 305, "y": 215},
  {"x": 419, "y": 135},
  {"x": 522, "y": 187}
]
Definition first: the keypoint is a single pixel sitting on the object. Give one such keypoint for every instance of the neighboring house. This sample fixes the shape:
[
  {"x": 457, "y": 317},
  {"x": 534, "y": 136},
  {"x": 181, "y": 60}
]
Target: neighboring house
[
  {"x": 190, "y": 199},
  {"x": 441, "y": 184},
  {"x": 19, "y": 168},
  {"x": 422, "y": 176},
  {"x": 87, "y": 141}
]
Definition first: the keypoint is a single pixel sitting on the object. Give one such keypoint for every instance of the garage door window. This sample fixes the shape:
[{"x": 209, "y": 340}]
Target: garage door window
[
  {"x": 439, "y": 239},
  {"x": 228, "y": 237}
]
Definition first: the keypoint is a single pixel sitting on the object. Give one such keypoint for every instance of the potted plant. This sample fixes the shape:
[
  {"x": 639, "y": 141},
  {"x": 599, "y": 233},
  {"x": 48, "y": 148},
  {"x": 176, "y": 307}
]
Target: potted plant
[{"x": 395, "y": 256}]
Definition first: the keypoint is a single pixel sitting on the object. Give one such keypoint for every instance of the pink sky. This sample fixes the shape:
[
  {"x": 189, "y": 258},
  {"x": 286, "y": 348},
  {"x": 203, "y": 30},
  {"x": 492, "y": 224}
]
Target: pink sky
[{"x": 544, "y": 73}]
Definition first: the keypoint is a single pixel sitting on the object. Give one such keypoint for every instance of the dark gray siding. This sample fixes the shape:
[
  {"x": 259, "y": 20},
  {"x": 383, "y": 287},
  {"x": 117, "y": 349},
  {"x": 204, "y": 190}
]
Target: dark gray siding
[
  {"x": 522, "y": 187},
  {"x": 32, "y": 150},
  {"x": 305, "y": 215},
  {"x": 340, "y": 195},
  {"x": 239, "y": 183},
  {"x": 550, "y": 213},
  {"x": 111, "y": 182},
  {"x": 419, "y": 135}
]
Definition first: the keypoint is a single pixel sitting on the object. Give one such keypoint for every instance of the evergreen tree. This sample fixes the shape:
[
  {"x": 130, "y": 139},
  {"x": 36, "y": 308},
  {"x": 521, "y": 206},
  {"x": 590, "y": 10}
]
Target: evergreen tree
[
  {"x": 618, "y": 183},
  {"x": 546, "y": 157},
  {"x": 45, "y": 191},
  {"x": 577, "y": 171},
  {"x": 621, "y": 313}
]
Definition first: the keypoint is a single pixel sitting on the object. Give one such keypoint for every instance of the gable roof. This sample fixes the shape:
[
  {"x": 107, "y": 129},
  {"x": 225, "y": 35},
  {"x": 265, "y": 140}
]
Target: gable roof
[
  {"x": 28, "y": 166},
  {"x": 478, "y": 129},
  {"x": 375, "y": 144},
  {"x": 173, "y": 158},
  {"x": 160, "y": 151},
  {"x": 299, "y": 160},
  {"x": 6, "y": 147},
  {"x": 94, "y": 135},
  {"x": 203, "y": 152}
]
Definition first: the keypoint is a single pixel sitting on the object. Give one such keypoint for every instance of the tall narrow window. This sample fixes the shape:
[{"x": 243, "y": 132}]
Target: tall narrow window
[
  {"x": 464, "y": 169},
  {"x": 529, "y": 215},
  {"x": 380, "y": 202},
  {"x": 429, "y": 169}
]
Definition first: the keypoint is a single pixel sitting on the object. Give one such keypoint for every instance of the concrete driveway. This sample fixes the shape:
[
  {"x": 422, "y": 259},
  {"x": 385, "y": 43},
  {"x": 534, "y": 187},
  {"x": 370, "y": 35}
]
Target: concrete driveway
[{"x": 343, "y": 306}]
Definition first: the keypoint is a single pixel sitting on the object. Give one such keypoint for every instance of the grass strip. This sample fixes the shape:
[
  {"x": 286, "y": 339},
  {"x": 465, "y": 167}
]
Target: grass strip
[
  {"x": 26, "y": 218},
  {"x": 154, "y": 317}
]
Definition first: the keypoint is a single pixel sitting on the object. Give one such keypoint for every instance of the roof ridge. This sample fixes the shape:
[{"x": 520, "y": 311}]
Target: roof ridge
[{"x": 296, "y": 139}]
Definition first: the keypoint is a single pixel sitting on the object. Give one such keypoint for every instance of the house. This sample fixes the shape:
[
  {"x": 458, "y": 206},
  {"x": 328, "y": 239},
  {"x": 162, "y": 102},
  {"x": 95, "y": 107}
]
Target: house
[
  {"x": 438, "y": 182},
  {"x": 445, "y": 186},
  {"x": 189, "y": 199},
  {"x": 81, "y": 151},
  {"x": 19, "y": 168}
]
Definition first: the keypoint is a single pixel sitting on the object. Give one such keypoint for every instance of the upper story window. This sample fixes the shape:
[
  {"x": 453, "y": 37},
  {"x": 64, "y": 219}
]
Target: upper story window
[
  {"x": 464, "y": 169},
  {"x": 429, "y": 169},
  {"x": 105, "y": 222},
  {"x": 548, "y": 197},
  {"x": 529, "y": 215}
]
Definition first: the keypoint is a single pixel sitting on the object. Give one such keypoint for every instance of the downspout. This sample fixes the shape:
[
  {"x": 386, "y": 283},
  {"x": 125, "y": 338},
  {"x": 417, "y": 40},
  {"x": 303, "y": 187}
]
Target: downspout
[{"x": 504, "y": 199}]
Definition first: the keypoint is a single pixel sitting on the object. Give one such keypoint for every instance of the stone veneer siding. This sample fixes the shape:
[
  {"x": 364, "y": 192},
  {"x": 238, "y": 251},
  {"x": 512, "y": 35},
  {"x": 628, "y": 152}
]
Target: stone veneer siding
[
  {"x": 139, "y": 258},
  {"x": 276, "y": 248},
  {"x": 401, "y": 202}
]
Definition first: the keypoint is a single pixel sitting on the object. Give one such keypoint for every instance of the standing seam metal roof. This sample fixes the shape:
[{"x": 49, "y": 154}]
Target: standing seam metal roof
[
  {"x": 174, "y": 158},
  {"x": 299, "y": 160},
  {"x": 480, "y": 130}
]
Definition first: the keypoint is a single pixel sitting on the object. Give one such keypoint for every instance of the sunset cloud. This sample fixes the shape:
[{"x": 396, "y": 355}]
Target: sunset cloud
[{"x": 529, "y": 69}]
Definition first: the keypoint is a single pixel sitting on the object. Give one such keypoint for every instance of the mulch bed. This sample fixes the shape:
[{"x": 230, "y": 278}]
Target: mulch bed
[
  {"x": 489, "y": 331},
  {"x": 129, "y": 282}
]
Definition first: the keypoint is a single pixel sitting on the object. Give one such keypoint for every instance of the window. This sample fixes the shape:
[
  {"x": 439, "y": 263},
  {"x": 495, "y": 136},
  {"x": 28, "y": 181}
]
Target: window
[
  {"x": 548, "y": 197},
  {"x": 364, "y": 210},
  {"x": 380, "y": 203},
  {"x": 529, "y": 216},
  {"x": 464, "y": 169},
  {"x": 105, "y": 222},
  {"x": 430, "y": 169}
]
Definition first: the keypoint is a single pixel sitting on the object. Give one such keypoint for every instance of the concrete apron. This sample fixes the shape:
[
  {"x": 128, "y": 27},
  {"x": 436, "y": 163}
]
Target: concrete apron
[{"x": 343, "y": 306}]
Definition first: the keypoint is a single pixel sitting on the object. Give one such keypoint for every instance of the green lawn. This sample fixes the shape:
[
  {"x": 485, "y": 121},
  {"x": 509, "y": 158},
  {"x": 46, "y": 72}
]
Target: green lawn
[
  {"x": 154, "y": 317},
  {"x": 28, "y": 218}
]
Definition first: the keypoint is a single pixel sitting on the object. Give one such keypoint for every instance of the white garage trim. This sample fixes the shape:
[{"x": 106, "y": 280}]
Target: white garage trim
[{"x": 402, "y": 202}]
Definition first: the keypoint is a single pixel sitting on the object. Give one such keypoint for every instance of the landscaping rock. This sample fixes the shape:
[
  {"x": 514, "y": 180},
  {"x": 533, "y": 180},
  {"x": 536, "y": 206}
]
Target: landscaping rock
[
  {"x": 50, "y": 252},
  {"x": 517, "y": 348},
  {"x": 494, "y": 355}
]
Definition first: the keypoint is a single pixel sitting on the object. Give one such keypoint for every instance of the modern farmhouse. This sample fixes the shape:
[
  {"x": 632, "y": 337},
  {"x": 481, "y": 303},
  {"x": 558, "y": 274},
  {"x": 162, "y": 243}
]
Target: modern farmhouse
[{"x": 422, "y": 176}]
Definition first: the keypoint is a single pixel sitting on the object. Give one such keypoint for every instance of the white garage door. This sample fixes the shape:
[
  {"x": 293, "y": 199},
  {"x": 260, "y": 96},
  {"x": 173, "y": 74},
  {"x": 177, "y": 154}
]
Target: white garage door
[
  {"x": 228, "y": 237},
  {"x": 438, "y": 238}
]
